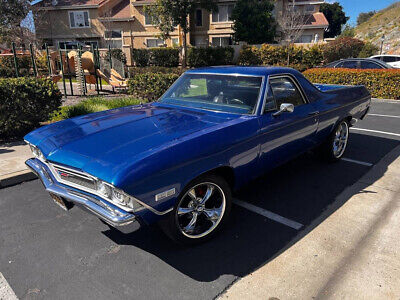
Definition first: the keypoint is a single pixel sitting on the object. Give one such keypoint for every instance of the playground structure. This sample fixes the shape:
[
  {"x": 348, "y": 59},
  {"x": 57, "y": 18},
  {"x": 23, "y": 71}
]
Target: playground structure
[
  {"x": 82, "y": 68},
  {"x": 87, "y": 67}
]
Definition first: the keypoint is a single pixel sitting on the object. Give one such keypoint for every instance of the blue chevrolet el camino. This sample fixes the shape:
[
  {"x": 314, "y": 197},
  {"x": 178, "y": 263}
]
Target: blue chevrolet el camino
[{"x": 176, "y": 161}]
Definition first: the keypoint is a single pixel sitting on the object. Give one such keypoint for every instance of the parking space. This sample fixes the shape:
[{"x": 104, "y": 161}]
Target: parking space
[{"x": 48, "y": 253}]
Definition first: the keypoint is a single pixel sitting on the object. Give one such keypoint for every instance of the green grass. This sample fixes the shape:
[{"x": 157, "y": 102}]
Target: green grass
[{"x": 90, "y": 106}]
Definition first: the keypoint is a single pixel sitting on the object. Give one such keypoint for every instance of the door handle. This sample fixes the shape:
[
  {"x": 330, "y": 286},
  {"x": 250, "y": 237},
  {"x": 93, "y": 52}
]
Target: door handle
[{"x": 313, "y": 113}]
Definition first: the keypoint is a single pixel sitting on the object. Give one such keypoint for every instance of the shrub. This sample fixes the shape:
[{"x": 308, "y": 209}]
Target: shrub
[
  {"x": 249, "y": 56},
  {"x": 301, "y": 58},
  {"x": 162, "y": 57},
  {"x": 343, "y": 47},
  {"x": 380, "y": 83},
  {"x": 24, "y": 103},
  {"x": 368, "y": 50},
  {"x": 90, "y": 106},
  {"x": 150, "y": 86},
  {"x": 140, "y": 57},
  {"x": 117, "y": 54},
  {"x": 210, "y": 56},
  {"x": 7, "y": 67},
  {"x": 154, "y": 69}
]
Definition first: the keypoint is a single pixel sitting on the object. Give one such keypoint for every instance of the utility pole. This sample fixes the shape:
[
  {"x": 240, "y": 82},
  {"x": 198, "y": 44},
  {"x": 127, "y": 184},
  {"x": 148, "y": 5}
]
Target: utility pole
[{"x": 382, "y": 40}]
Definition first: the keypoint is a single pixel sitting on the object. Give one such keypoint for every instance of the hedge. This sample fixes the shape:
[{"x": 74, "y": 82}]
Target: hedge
[
  {"x": 162, "y": 57},
  {"x": 150, "y": 86},
  {"x": 380, "y": 83},
  {"x": 344, "y": 47},
  {"x": 164, "y": 70},
  {"x": 210, "y": 56},
  {"x": 24, "y": 103},
  {"x": 300, "y": 58},
  {"x": 7, "y": 67}
]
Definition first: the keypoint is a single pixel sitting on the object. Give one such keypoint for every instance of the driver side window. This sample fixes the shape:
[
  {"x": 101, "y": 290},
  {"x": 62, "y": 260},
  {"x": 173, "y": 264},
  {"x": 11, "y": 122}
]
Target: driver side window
[{"x": 285, "y": 91}]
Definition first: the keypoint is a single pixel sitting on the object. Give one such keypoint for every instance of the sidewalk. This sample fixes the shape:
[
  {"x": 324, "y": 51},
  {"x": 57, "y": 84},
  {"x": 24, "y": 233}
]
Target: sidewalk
[
  {"x": 351, "y": 252},
  {"x": 12, "y": 164}
]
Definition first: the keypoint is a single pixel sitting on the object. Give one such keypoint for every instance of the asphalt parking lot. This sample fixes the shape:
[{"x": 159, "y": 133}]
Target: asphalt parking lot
[{"x": 48, "y": 253}]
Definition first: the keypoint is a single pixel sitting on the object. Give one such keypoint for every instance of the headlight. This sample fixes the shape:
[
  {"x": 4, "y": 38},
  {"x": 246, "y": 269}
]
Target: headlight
[
  {"x": 104, "y": 189},
  {"x": 36, "y": 152},
  {"x": 117, "y": 196}
]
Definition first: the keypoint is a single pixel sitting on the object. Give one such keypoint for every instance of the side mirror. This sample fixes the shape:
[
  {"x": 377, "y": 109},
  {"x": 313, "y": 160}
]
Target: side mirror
[{"x": 285, "y": 107}]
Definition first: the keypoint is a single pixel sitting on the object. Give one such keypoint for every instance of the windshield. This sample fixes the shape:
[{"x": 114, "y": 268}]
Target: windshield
[{"x": 226, "y": 93}]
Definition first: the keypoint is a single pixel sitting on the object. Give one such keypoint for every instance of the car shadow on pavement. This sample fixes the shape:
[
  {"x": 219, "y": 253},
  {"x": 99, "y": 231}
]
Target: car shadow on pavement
[{"x": 304, "y": 190}]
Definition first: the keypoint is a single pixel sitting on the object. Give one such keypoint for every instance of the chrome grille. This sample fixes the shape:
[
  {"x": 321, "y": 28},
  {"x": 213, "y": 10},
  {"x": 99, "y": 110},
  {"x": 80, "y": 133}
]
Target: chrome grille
[{"x": 75, "y": 178}]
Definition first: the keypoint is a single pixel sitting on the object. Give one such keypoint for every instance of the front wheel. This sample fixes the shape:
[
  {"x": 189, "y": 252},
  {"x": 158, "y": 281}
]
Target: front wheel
[
  {"x": 200, "y": 212},
  {"x": 335, "y": 146}
]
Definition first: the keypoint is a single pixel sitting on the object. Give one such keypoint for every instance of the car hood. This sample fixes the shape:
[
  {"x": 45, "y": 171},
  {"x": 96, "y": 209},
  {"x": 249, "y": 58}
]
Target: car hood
[{"x": 103, "y": 143}]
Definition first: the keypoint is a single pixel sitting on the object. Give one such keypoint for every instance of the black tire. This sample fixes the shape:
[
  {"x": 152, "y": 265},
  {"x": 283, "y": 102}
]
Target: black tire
[
  {"x": 330, "y": 150},
  {"x": 221, "y": 197}
]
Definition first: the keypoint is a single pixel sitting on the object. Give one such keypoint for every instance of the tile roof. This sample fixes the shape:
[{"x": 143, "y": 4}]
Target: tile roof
[
  {"x": 121, "y": 10},
  {"x": 317, "y": 19}
]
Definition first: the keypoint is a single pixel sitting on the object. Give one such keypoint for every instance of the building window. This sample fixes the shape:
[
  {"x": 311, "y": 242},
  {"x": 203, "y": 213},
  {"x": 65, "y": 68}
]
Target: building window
[
  {"x": 79, "y": 19},
  {"x": 113, "y": 34},
  {"x": 310, "y": 8},
  {"x": 152, "y": 43},
  {"x": 114, "y": 38},
  {"x": 307, "y": 38},
  {"x": 223, "y": 14},
  {"x": 149, "y": 19},
  {"x": 175, "y": 42},
  {"x": 221, "y": 41},
  {"x": 199, "y": 18}
]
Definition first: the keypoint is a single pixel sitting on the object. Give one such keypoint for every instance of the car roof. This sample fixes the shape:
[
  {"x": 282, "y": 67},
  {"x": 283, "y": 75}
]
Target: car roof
[
  {"x": 390, "y": 55},
  {"x": 242, "y": 70}
]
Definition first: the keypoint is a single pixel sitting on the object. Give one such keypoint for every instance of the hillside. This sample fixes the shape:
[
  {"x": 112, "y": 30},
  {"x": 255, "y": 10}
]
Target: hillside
[{"x": 385, "y": 22}]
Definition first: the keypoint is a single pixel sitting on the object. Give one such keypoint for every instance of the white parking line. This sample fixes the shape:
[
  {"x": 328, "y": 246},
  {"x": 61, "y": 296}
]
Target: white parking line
[
  {"x": 375, "y": 131},
  {"x": 358, "y": 162},
  {"x": 268, "y": 214},
  {"x": 387, "y": 116},
  {"x": 6, "y": 291}
]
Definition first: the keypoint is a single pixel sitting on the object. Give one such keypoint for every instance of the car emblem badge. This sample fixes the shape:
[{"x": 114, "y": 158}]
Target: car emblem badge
[{"x": 165, "y": 194}]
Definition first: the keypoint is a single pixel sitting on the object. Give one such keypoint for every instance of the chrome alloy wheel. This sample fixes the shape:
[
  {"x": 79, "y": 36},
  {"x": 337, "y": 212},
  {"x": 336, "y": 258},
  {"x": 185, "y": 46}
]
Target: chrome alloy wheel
[
  {"x": 200, "y": 210},
  {"x": 340, "y": 139}
]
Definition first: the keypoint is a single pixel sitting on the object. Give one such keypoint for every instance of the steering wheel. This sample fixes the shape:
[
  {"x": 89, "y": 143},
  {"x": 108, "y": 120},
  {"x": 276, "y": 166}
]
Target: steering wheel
[{"x": 235, "y": 101}]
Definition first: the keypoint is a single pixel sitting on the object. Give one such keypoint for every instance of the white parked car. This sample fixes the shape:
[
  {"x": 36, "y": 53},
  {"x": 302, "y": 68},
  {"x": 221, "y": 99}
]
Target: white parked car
[{"x": 392, "y": 60}]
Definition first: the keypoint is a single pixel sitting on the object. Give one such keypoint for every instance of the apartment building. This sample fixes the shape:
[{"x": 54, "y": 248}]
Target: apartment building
[{"x": 125, "y": 23}]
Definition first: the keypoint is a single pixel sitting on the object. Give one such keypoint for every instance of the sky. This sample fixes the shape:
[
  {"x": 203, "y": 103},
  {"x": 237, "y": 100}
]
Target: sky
[{"x": 352, "y": 8}]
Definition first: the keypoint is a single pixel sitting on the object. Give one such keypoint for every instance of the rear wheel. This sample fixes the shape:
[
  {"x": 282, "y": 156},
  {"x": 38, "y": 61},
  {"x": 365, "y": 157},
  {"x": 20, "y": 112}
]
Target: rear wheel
[
  {"x": 335, "y": 146},
  {"x": 200, "y": 212}
]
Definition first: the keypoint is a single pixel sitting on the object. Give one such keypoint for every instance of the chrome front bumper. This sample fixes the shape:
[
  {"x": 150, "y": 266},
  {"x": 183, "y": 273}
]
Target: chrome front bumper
[{"x": 109, "y": 213}]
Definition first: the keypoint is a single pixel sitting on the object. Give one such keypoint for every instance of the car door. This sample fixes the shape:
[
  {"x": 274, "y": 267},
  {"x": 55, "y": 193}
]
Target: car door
[{"x": 288, "y": 134}]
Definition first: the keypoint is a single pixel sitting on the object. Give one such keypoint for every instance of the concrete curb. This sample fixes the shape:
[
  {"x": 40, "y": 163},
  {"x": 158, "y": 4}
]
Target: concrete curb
[{"x": 16, "y": 178}]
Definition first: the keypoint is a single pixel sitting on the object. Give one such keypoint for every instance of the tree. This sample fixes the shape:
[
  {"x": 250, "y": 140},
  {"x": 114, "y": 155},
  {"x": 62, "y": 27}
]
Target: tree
[
  {"x": 364, "y": 17},
  {"x": 336, "y": 17},
  {"x": 348, "y": 31},
  {"x": 291, "y": 26},
  {"x": 12, "y": 12},
  {"x": 257, "y": 29},
  {"x": 167, "y": 14}
]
